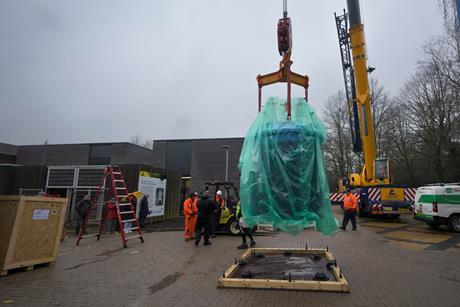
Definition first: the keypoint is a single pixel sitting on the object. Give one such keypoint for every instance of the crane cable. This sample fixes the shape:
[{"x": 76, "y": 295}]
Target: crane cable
[{"x": 284, "y": 8}]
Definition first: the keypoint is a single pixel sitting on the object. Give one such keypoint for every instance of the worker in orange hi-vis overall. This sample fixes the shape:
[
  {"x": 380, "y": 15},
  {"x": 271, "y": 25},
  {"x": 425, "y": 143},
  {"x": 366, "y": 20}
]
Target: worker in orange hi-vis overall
[
  {"x": 190, "y": 213},
  {"x": 350, "y": 207}
]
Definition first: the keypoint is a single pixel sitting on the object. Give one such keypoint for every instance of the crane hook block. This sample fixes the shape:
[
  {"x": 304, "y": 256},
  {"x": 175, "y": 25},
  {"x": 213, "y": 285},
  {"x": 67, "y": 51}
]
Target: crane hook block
[{"x": 284, "y": 35}]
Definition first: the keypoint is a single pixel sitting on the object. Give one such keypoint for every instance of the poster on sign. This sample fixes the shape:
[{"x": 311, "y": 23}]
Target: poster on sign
[{"x": 155, "y": 188}]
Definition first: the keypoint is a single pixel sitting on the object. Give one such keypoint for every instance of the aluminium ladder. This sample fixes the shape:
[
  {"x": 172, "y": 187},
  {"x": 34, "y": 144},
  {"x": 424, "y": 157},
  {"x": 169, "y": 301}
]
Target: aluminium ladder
[{"x": 120, "y": 196}]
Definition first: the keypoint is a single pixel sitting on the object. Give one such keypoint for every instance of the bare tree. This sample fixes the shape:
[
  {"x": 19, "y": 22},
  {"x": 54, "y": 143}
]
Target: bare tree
[
  {"x": 404, "y": 146},
  {"x": 443, "y": 56},
  {"x": 340, "y": 159},
  {"x": 443, "y": 53},
  {"x": 434, "y": 112},
  {"x": 148, "y": 143},
  {"x": 426, "y": 122},
  {"x": 381, "y": 104},
  {"x": 432, "y": 101},
  {"x": 138, "y": 140}
]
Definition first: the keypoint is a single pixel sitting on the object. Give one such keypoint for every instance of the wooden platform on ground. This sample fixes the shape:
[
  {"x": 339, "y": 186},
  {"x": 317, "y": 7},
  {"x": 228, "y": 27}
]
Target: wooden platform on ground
[{"x": 231, "y": 277}]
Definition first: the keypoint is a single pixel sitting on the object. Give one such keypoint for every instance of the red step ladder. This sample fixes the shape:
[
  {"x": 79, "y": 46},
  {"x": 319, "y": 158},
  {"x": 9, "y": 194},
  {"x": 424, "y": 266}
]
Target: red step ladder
[{"x": 119, "y": 193}]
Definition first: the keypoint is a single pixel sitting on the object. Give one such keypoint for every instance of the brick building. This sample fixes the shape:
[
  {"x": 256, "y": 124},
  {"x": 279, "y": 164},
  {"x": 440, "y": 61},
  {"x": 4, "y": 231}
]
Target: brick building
[
  {"x": 199, "y": 160},
  {"x": 74, "y": 170}
]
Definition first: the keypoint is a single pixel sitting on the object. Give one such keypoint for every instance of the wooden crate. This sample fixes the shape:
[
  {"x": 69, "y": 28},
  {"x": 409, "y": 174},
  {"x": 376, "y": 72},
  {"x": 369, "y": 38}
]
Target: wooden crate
[
  {"x": 30, "y": 230},
  {"x": 339, "y": 285}
]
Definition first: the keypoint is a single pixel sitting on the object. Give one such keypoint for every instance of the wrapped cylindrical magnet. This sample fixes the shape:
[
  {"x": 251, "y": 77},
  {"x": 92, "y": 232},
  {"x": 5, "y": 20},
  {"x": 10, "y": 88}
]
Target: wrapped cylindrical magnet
[{"x": 283, "y": 181}]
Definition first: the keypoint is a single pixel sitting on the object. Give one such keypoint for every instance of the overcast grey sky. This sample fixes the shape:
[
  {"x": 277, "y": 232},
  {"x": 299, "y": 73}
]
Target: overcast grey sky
[{"x": 101, "y": 71}]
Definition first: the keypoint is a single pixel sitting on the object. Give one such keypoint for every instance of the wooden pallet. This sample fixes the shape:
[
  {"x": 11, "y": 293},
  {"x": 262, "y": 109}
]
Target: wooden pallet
[
  {"x": 25, "y": 268},
  {"x": 228, "y": 280}
]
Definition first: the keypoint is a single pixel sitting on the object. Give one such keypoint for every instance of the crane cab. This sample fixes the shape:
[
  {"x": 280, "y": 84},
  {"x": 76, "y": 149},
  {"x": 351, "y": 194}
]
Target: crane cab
[
  {"x": 381, "y": 175},
  {"x": 382, "y": 171}
]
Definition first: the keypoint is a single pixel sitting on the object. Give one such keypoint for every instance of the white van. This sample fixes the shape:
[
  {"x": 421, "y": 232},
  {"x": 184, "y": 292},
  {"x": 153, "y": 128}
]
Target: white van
[{"x": 439, "y": 204}]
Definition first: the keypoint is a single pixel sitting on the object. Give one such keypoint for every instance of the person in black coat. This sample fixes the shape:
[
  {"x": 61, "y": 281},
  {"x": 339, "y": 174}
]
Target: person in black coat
[
  {"x": 82, "y": 209},
  {"x": 206, "y": 209},
  {"x": 144, "y": 210}
]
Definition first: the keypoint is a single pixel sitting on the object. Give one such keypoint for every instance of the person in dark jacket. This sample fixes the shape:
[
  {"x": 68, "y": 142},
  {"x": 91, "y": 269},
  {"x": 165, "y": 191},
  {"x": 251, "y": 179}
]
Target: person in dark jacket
[
  {"x": 245, "y": 229},
  {"x": 206, "y": 209},
  {"x": 82, "y": 208},
  {"x": 215, "y": 220},
  {"x": 144, "y": 210}
]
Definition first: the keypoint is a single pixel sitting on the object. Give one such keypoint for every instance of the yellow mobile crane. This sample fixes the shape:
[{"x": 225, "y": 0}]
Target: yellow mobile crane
[{"x": 373, "y": 185}]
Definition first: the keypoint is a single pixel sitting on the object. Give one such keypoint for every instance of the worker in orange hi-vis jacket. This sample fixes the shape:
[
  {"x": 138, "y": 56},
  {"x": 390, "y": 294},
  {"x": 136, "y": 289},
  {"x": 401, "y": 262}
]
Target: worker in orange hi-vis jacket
[
  {"x": 350, "y": 207},
  {"x": 190, "y": 212}
]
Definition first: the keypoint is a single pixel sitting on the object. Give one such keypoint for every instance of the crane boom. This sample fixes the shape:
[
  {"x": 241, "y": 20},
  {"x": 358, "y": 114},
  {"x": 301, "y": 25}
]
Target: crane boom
[
  {"x": 378, "y": 196},
  {"x": 349, "y": 79},
  {"x": 350, "y": 31},
  {"x": 363, "y": 95}
]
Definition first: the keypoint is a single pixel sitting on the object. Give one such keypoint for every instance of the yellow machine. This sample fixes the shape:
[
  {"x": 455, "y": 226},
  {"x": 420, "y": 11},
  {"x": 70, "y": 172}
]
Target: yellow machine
[
  {"x": 374, "y": 182},
  {"x": 374, "y": 171},
  {"x": 228, "y": 221}
]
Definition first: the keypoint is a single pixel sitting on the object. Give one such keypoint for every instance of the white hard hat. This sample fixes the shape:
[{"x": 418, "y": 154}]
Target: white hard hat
[{"x": 219, "y": 192}]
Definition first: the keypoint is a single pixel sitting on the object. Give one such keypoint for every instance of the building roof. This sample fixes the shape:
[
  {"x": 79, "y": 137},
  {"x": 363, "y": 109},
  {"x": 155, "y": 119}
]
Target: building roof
[
  {"x": 198, "y": 139},
  {"x": 87, "y": 144},
  {"x": 8, "y": 149}
]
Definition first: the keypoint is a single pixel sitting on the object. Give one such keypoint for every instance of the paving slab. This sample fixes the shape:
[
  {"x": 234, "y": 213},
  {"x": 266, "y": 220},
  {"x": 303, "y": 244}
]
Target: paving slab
[{"x": 167, "y": 271}]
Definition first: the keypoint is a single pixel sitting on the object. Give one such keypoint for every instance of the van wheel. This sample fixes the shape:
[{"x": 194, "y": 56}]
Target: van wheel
[
  {"x": 433, "y": 225},
  {"x": 454, "y": 223},
  {"x": 234, "y": 227}
]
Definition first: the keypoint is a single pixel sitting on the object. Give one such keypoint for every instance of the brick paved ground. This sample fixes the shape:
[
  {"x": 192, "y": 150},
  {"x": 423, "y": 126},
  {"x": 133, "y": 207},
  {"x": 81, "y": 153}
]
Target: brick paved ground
[
  {"x": 166, "y": 271},
  {"x": 412, "y": 234}
]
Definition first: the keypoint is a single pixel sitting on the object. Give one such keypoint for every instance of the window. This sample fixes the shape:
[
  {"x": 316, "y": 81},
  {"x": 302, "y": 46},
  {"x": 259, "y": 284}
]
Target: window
[
  {"x": 61, "y": 177},
  {"x": 89, "y": 177},
  {"x": 100, "y": 154}
]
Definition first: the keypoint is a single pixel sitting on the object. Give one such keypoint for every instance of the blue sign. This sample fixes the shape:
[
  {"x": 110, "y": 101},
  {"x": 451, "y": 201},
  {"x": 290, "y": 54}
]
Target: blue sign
[{"x": 41, "y": 214}]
